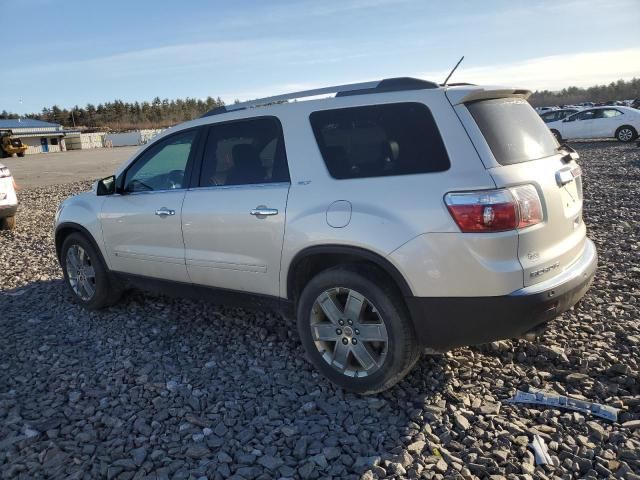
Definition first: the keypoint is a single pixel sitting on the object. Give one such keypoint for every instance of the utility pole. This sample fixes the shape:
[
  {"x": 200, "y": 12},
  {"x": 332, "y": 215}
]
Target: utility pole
[{"x": 73, "y": 119}]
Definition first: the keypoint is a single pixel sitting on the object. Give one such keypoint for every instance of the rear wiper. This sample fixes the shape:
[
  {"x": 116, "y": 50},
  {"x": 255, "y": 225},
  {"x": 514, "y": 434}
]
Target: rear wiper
[{"x": 569, "y": 153}]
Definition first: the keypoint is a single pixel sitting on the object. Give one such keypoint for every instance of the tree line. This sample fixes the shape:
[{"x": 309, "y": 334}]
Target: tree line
[
  {"x": 158, "y": 113},
  {"x": 620, "y": 90},
  {"x": 119, "y": 115}
]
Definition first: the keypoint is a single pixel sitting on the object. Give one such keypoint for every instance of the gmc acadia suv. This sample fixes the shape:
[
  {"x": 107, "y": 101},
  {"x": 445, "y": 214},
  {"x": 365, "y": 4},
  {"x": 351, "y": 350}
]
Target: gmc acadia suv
[{"x": 396, "y": 216}]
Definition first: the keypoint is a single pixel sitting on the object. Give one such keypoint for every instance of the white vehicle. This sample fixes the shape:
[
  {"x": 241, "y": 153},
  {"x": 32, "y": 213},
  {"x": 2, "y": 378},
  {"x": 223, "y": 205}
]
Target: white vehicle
[
  {"x": 622, "y": 123},
  {"x": 8, "y": 199},
  {"x": 395, "y": 216},
  {"x": 555, "y": 115}
]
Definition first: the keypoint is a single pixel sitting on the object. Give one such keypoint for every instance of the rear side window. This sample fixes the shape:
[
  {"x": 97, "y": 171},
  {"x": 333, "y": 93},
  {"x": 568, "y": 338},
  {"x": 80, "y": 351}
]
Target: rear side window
[
  {"x": 514, "y": 131},
  {"x": 379, "y": 140},
  {"x": 243, "y": 153}
]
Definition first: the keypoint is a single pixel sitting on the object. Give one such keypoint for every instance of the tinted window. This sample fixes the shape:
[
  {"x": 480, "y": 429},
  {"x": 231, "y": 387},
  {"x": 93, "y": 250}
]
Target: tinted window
[
  {"x": 244, "y": 152},
  {"x": 163, "y": 166},
  {"x": 565, "y": 113},
  {"x": 586, "y": 115},
  {"x": 609, "y": 113},
  {"x": 549, "y": 117},
  {"x": 513, "y": 130},
  {"x": 379, "y": 140}
]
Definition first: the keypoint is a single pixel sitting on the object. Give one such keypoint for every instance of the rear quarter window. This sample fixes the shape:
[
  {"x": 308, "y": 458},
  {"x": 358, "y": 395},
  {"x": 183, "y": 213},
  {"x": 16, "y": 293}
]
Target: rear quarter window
[
  {"x": 379, "y": 140},
  {"x": 513, "y": 130}
]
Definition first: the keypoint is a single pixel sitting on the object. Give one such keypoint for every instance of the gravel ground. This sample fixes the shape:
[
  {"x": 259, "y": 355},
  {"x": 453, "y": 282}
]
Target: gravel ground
[{"x": 162, "y": 388}]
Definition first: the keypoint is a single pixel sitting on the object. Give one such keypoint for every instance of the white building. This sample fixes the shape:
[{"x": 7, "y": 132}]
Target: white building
[{"x": 39, "y": 136}]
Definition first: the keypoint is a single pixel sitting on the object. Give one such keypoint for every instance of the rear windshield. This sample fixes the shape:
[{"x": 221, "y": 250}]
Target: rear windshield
[{"x": 514, "y": 131}]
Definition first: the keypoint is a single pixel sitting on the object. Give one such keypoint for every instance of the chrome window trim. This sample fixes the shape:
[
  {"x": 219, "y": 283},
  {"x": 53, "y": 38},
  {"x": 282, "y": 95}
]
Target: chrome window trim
[
  {"x": 241, "y": 186},
  {"x": 126, "y": 194}
]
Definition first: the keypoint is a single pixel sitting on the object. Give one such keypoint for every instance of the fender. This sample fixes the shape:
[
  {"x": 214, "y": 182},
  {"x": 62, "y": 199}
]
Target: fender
[
  {"x": 361, "y": 253},
  {"x": 76, "y": 227}
]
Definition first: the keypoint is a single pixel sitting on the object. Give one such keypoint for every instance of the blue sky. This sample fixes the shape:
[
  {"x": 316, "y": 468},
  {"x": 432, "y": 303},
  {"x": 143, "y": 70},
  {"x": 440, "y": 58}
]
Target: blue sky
[{"x": 73, "y": 52}]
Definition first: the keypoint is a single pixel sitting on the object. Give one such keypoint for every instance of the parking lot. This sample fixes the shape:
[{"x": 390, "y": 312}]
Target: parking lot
[
  {"x": 66, "y": 167},
  {"x": 157, "y": 387}
]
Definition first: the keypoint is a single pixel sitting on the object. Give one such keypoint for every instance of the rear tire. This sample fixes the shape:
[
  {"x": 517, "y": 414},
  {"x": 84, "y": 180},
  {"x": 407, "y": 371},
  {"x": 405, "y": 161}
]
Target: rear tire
[
  {"x": 365, "y": 349},
  {"x": 626, "y": 133},
  {"x": 8, "y": 223},
  {"x": 556, "y": 134},
  {"x": 21, "y": 154},
  {"x": 85, "y": 274}
]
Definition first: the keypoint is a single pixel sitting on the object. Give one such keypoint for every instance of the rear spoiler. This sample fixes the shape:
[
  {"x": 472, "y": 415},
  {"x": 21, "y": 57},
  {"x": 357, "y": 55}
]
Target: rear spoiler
[{"x": 459, "y": 96}]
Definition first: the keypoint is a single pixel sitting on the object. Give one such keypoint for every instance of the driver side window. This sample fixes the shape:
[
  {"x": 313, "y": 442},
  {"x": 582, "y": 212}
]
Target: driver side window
[{"x": 163, "y": 166}]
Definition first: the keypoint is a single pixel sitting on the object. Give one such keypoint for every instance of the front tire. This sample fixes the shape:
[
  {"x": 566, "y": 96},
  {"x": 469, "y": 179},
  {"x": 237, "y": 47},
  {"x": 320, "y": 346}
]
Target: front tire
[
  {"x": 626, "y": 133},
  {"x": 8, "y": 223},
  {"x": 85, "y": 274},
  {"x": 21, "y": 154},
  {"x": 355, "y": 329}
]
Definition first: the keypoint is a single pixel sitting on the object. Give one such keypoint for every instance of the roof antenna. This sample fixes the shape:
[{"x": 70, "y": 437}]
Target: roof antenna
[{"x": 451, "y": 73}]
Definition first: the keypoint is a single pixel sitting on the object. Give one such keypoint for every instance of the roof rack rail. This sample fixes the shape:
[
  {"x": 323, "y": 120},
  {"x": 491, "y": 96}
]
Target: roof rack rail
[
  {"x": 363, "y": 88},
  {"x": 459, "y": 84}
]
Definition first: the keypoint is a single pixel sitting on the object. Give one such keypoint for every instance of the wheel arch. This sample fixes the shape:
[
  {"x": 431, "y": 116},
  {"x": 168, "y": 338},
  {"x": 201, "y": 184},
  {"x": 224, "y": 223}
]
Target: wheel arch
[
  {"x": 556, "y": 133},
  {"x": 65, "y": 229},
  {"x": 626, "y": 125},
  {"x": 312, "y": 260}
]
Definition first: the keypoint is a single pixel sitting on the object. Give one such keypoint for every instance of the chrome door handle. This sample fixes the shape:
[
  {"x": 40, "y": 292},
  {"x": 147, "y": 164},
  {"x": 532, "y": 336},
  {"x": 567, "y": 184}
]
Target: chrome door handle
[
  {"x": 165, "y": 212},
  {"x": 262, "y": 211}
]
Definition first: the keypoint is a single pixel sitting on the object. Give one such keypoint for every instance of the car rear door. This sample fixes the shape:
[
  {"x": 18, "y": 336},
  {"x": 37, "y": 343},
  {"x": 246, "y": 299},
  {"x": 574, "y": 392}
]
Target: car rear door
[
  {"x": 606, "y": 122},
  {"x": 233, "y": 221},
  {"x": 580, "y": 125},
  {"x": 141, "y": 224}
]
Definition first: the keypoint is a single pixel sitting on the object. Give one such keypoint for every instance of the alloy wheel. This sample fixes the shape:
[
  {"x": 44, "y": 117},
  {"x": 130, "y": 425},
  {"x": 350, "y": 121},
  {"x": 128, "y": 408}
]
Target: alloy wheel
[
  {"x": 82, "y": 276},
  {"x": 349, "y": 332},
  {"x": 625, "y": 135}
]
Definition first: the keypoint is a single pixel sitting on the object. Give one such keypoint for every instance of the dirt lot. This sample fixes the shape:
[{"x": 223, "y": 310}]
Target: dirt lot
[
  {"x": 66, "y": 167},
  {"x": 166, "y": 388}
]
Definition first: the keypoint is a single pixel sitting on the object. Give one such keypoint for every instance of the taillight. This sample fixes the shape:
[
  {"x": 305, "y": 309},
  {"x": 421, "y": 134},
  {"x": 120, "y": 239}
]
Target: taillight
[
  {"x": 4, "y": 172},
  {"x": 495, "y": 210}
]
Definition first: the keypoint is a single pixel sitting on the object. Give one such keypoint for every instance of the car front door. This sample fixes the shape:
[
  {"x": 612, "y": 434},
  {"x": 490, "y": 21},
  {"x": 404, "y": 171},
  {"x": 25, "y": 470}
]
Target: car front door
[
  {"x": 579, "y": 125},
  {"x": 141, "y": 224},
  {"x": 233, "y": 221}
]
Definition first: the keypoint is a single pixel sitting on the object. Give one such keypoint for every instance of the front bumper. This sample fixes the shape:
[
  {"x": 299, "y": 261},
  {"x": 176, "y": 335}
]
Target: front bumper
[
  {"x": 8, "y": 210},
  {"x": 442, "y": 323}
]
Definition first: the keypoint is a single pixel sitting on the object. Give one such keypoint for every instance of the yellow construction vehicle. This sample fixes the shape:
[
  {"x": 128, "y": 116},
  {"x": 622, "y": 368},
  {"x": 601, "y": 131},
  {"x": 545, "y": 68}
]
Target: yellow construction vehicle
[{"x": 10, "y": 145}]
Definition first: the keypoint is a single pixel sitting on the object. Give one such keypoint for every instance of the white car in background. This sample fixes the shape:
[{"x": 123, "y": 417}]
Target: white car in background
[
  {"x": 555, "y": 115},
  {"x": 622, "y": 123},
  {"x": 8, "y": 199}
]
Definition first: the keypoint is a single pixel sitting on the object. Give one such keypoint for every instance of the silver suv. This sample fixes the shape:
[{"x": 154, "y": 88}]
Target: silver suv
[{"x": 396, "y": 216}]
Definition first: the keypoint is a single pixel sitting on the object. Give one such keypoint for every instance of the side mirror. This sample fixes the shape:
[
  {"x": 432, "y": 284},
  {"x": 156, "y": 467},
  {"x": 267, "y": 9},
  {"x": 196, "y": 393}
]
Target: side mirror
[{"x": 106, "y": 186}]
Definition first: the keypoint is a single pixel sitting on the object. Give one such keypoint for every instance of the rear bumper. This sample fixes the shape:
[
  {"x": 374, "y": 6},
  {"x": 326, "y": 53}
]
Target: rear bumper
[
  {"x": 8, "y": 210},
  {"x": 443, "y": 323}
]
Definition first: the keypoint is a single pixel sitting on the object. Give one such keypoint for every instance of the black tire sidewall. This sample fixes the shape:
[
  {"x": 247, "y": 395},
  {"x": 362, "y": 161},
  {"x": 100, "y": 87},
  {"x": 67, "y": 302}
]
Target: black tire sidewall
[
  {"x": 8, "y": 223},
  {"x": 402, "y": 350},
  {"x": 103, "y": 293}
]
